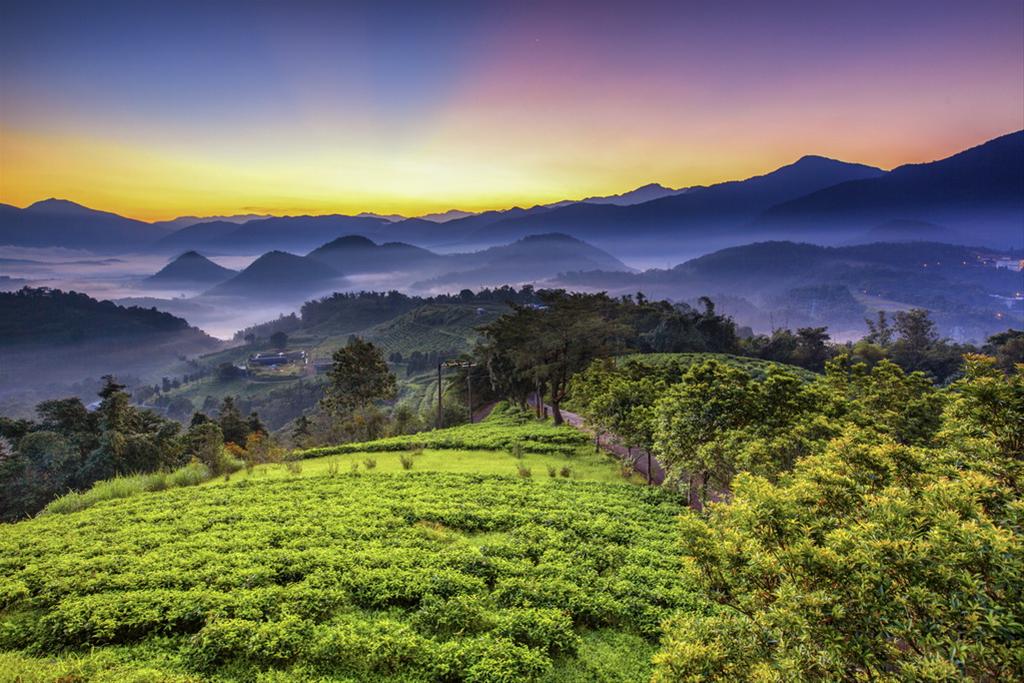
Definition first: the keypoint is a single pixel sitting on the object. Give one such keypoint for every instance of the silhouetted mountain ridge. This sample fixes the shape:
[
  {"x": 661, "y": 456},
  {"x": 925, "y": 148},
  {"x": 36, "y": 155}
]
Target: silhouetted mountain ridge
[
  {"x": 278, "y": 275},
  {"x": 979, "y": 190},
  {"x": 191, "y": 269}
]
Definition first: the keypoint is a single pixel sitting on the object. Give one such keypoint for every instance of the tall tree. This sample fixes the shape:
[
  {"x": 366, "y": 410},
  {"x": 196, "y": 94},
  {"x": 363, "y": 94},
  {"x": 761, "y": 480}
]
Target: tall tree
[
  {"x": 711, "y": 399},
  {"x": 279, "y": 340},
  {"x": 359, "y": 376},
  {"x": 233, "y": 426},
  {"x": 546, "y": 345}
]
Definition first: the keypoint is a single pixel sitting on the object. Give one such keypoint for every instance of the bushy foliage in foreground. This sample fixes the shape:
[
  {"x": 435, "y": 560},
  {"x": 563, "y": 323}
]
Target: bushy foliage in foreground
[
  {"x": 431, "y": 576},
  {"x": 876, "y": 558},
  {"x": 671, "y": 365},
  {"x": 504, "y": 429}
]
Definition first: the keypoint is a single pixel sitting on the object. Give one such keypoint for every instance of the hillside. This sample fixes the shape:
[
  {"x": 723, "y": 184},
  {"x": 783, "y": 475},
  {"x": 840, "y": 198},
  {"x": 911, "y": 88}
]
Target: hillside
[
  {"x": 433, "y": 327},
  {"x": 382, "y": 575},
  {"x": 278, "y": 275},
  {"x": 190, "y": 270},
  {"x": 54, "y": 340},
  {"x": 53, "y": 317},
  {"x": 356, "y": 254},
  {"x": 535, "y": 257},
  {"x": 197, "y": 236}
]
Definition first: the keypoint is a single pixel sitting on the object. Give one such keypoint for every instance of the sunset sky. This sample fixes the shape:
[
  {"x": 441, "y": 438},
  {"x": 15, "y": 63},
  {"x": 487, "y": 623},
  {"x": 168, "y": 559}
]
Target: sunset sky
[{"x": 155, "y": 110}]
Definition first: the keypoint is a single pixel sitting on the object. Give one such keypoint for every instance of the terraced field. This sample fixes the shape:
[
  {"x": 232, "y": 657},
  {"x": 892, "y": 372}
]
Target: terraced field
[{"x": 410, "y": 576}]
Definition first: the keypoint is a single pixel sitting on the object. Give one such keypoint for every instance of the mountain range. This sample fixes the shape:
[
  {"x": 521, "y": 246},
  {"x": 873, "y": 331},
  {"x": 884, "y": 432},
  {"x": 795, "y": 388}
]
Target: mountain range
[
  {"x": 979, "y": 191},
  {"x": 807, "y": 284},
  {"x": 279, "y": 276}
]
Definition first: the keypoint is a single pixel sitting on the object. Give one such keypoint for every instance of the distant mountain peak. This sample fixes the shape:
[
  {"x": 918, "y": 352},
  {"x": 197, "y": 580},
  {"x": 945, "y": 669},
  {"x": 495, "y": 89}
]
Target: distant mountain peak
[
  {"x": 817, "y": 161},
  {"x": 389, "y": 217},
  {"x": 190, "y": 269},
  {"x": 639, "y": 195},
  {"x": 55, "y": 205},
  {"x": 349, "y": 242},
  {"x": 817, "y": 158},
  {"x": 445, "y": 216}
]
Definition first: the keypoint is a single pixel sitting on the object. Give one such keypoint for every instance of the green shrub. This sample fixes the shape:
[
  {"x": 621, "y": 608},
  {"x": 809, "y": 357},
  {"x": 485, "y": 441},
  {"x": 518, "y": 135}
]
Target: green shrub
[
  {"x": 543, "y": 628},
  {"x": 370, "y": 463},
  {"x": 552, "y": 471},
  {"x": 524, "y": 471},
  {"x": 486, "y": 659},
  {"x": 189, "y": 475},
  {"x": 566, "y": 471},
  {"x": 406, "y": 460}
]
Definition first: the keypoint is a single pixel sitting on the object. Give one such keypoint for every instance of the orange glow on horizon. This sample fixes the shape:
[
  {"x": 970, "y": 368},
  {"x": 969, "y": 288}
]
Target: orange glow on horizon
[{"x": 154, "y": 183}]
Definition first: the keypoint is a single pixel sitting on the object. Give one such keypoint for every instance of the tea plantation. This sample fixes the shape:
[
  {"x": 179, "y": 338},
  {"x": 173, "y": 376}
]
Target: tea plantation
[{"x": 405, "y": 576}]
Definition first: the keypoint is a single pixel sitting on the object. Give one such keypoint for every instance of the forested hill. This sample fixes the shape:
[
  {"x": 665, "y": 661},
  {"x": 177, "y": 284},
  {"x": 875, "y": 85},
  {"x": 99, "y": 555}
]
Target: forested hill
[{"x": 46, "y": 317}]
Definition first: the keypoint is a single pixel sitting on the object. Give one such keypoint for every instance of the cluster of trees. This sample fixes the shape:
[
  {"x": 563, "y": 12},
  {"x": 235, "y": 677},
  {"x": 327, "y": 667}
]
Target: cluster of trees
[
  {"x": 34, "y": 314},
  {"x": 69, "y": 447},
  {"x": 710, "y": 420},
  {"x": 909, "y": 338},
  {"x": 889, "y": 549},
  {"x": 373, "y": 307},
  {"x": 537, "y": 348},
  {"x": 355, "y": 403},
  {"x": 863, "y": 524}
]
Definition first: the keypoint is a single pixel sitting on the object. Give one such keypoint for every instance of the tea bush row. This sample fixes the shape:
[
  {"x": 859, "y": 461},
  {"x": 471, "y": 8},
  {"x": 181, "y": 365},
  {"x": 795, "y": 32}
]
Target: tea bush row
[
  {"x": 441, "y": 576},
  {"x": 506, "y": 429}
]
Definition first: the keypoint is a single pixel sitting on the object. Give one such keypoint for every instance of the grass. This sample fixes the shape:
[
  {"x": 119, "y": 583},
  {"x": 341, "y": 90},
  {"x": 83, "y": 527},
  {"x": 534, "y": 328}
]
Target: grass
[{"x": 127, "y": 486}]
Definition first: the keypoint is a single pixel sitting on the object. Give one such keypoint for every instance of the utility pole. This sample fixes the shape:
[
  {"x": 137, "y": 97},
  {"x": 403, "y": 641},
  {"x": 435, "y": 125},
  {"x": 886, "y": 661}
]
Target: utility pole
[
  {"x": 440, "y": 409},
  {"x": 469, "y": 386}
]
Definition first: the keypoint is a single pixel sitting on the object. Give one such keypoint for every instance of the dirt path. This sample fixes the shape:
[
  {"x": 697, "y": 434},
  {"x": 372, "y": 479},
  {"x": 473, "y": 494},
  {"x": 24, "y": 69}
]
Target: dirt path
[
  {"x": 611, "y": 444},
  {"x": 481, "y": 413}
]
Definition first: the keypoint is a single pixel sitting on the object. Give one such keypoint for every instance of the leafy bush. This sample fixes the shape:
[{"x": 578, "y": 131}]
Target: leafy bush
[
  {"x": 524, "y": 471},
  {"x": 406, "y": 460},
  {"x": 370, "y": 463}
]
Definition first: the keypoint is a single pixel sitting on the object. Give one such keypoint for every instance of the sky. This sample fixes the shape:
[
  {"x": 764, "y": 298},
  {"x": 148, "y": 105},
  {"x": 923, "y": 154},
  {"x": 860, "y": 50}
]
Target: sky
[{"x": 160, "y": 109}]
